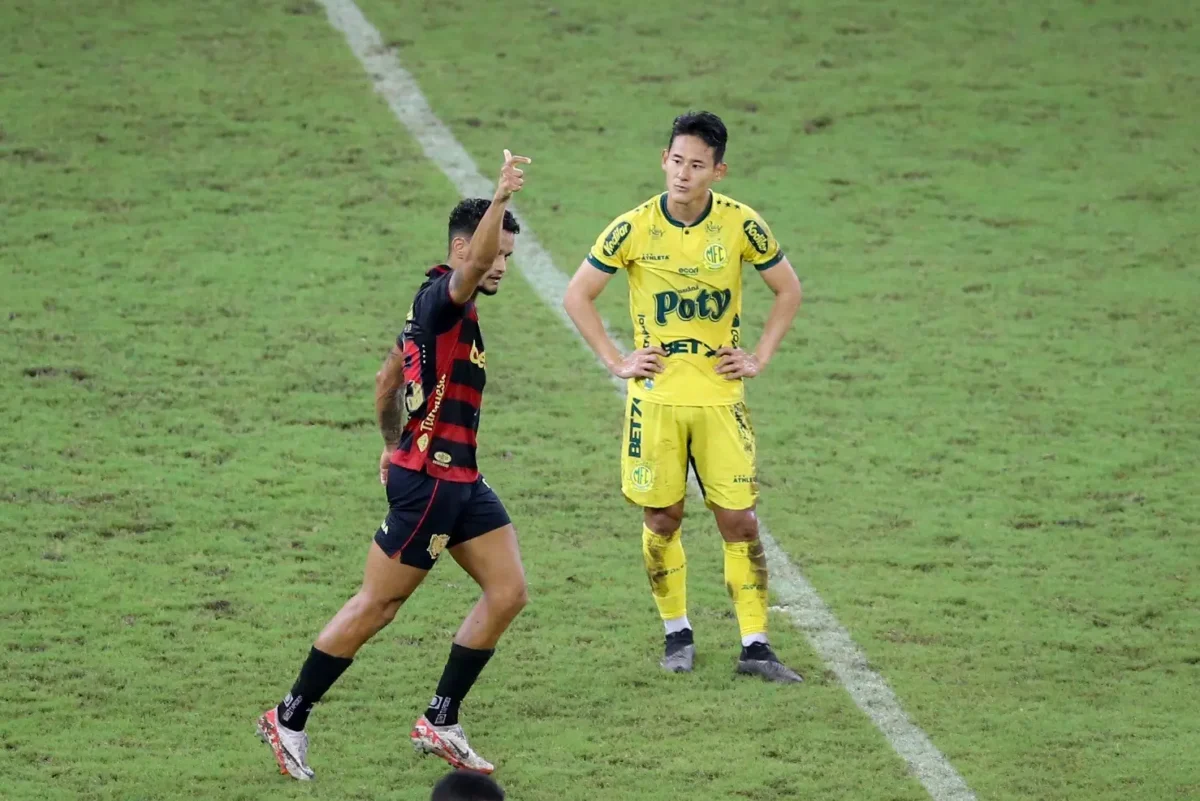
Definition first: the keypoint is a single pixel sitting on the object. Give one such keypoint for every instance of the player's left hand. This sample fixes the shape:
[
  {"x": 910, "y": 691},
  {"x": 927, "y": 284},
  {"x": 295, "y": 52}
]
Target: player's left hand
[{"x": 736, "y": 363}]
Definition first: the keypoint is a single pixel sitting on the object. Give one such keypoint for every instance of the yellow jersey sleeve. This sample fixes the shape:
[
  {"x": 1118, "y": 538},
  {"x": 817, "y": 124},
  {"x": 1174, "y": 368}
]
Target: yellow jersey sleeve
[
  {"x": 760, "y": 247},
  {"x": 612, "y": 250}
]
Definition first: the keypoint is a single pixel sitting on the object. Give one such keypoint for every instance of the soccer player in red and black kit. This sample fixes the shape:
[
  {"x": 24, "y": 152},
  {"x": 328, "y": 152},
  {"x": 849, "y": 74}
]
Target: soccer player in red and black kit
[{"x": 437, "y": 499}]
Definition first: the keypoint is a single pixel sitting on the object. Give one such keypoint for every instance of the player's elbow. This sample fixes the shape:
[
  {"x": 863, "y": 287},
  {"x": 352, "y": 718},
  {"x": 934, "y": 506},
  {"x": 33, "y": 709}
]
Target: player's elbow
[
  {"x": 572, "y": 300},
  {"x": 577, "y": 298}
]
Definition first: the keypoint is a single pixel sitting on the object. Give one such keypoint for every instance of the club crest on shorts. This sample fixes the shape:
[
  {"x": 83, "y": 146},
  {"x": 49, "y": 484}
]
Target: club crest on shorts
[
  {"x": 437, "y": 544},
  {"x": 642, "y": 478}
]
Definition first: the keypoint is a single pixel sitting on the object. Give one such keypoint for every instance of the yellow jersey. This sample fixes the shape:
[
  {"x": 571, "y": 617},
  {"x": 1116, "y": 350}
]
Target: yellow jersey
[{"x": 685, "y": 291}]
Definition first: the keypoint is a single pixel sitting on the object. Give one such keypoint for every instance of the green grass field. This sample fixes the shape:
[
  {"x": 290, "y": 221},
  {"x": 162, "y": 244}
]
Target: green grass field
[{"x": 979, "y": 442}]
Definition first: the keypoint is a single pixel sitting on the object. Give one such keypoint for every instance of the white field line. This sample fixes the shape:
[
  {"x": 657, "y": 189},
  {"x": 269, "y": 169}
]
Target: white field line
[{"x": 797, "y": 597}]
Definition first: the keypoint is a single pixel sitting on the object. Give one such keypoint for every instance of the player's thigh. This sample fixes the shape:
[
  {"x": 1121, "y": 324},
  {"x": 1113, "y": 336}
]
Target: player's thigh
[
  {"x": 723, "y": 452},
  {"x": 422, "y": 514},
  {"x": 653, "y": 454},
  {"x": 389, "y": 581},
  {"x": 485, "y": 543}
]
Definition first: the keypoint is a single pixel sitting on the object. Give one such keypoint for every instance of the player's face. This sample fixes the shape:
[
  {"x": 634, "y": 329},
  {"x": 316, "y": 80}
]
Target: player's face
[
  {"x": 690, "y": 169},
  {"x": 491, "y": 282}
]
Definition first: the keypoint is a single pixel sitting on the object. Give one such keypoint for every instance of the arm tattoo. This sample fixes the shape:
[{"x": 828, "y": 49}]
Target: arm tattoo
[
  {"x": 387, "y": 403},
  {"x": 391, "y": 419}
]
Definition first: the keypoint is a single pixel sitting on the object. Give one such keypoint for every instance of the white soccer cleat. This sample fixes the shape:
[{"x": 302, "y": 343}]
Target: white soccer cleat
[
  {"x": 290, "y": 747},
  {"x": 449, "y": 743}
]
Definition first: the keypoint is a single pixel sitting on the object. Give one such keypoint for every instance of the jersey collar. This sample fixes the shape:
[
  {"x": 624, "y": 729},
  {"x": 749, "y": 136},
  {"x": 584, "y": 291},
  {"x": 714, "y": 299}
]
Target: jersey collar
[
  {"x": 662, "y": 204},
  {"x": 437, "y": 269}
]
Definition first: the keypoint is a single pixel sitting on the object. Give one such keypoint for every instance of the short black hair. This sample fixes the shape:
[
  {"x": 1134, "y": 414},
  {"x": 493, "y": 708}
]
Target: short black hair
[
  {"x": 704, "y": 125},
  {"x": 466, "y": 785},
  {"x": 467, "y": 214}
]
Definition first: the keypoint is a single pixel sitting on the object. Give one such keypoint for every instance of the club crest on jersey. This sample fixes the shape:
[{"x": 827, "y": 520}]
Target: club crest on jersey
[
  {"x": 642, "y": 478},
  {"x": 442, "y": 458},
  {"x": 437, "y": 544},
  {"x": 619, "y": 233},
  {"x": 757, "y": 236},
  {"x": 715, "y": 256}
]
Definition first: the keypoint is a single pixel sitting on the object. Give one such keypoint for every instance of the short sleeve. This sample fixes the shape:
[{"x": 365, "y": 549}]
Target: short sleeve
[
  {"x": 433, "y": 310},
  {"x": 612, "y": 249},
  {"x": 760, "y": 247}
]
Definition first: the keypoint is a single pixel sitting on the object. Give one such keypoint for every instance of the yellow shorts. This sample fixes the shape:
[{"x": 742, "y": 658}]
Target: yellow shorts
[{"x": 660, "y": 441}]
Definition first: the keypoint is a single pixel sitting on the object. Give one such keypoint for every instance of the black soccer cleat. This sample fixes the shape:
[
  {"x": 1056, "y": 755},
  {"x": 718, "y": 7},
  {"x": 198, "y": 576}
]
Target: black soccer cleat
[
  {"x": 758, "y": 659},
  {"x": 679, "y": 652}
]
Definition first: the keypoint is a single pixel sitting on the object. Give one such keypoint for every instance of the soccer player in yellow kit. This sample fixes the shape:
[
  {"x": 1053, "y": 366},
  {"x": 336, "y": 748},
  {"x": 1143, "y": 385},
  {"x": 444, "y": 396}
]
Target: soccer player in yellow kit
[{"x": 683, "y": 252}]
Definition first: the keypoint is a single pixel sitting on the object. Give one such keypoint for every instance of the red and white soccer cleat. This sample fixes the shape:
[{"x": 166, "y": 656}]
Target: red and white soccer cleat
[
  {"x": 449, "y": 743},
  {"x": 290, "y": 747}
]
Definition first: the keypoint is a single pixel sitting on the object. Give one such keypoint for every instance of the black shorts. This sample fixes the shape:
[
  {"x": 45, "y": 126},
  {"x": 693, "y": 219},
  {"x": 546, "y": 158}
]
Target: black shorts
[{"x": 427, "y": 515}]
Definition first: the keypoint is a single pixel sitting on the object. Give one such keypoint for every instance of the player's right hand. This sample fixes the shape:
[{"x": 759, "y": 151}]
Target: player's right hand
[
  {"x": 512, "y": 177},
  {"x": 642, "y": 363}
]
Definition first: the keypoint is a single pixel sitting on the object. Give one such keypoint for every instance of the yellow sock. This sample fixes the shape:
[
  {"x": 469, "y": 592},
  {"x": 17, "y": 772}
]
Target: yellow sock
[
  {"x": 746, "y": 580},
  {"x": 667, "y": 568}
]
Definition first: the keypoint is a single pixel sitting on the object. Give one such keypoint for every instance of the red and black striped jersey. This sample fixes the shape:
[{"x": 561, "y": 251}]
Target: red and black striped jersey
[{"x": 444, "y": 374}]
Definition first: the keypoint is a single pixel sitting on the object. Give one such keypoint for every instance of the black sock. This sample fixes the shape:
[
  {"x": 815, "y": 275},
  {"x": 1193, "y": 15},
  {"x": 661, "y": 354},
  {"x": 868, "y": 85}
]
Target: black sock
[
  {"x": 319, "y": 673},
  {"x": 462, "y": 669},
  {"x": 756, "y": 650}
]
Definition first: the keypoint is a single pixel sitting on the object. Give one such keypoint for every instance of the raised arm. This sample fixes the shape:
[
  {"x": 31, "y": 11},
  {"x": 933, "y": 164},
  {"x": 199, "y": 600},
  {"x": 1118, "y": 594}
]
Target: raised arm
[{"x": 485, "y": 243}]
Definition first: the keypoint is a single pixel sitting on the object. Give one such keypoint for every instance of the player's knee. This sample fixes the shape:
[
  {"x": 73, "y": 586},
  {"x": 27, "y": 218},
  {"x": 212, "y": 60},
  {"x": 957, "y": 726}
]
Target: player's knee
[
  {"x": 739, "y": 527},
  {"x": 508, "y": 600},
  {"x": 376, "y": 611},
  {"x": 664, "y": 522}
]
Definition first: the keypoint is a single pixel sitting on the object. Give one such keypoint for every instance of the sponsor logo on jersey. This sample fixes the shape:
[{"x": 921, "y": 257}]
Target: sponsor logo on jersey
[
  {"x": 414, "y": 396},
  {"x": 619, "y": 233},
  {"x": 439, "y": 392},
  {"x": 757, "y": 236},
  {"x": 706, "y": 305},
  {"x": 678, "y": 346}
]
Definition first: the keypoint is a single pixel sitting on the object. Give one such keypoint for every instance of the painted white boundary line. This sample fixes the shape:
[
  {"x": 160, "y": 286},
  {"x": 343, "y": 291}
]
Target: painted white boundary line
[{"x": 799, "y": 600}]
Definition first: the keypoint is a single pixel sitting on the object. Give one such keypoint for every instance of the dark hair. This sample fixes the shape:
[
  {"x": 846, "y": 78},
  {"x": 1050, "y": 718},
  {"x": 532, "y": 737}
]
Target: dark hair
[
  {"x": 466, "y": 785},
  {"x": 467, "y": 214},
  {"x": 704, "y": 125}
]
